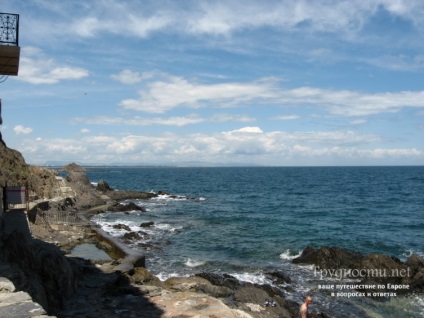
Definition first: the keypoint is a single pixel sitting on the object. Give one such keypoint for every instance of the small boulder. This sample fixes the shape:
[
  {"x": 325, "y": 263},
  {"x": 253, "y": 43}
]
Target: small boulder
[
  {"x": 103, "y": 186},
  {"x": 121, "y": 227},
  {"x": 147, "y": 224}
]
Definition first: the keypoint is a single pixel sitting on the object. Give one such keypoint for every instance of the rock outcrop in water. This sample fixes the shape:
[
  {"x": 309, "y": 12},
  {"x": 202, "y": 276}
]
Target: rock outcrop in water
[
  {"x": 372, "y": 268},
  {"x": 73, "y": 167}
]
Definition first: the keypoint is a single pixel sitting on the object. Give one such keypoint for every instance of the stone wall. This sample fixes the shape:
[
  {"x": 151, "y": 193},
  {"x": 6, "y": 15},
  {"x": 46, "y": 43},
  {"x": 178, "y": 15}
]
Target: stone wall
[{"x": 43, "y": 271}]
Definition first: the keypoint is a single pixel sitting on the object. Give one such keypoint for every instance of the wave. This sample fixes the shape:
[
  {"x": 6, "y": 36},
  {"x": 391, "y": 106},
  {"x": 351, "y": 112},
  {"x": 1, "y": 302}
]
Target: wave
[
  {"x": 168, "y": 227},
  {"x": 169, "y": 197},
  {"x": 194, "y": 263},
  {"x": 175, "y": 197},
  {"x": 287, "y": 255},
  {"x": 164, "y": 276},
  {"x": 411, "y": 252},
  {"x": 254, "y": 278}
]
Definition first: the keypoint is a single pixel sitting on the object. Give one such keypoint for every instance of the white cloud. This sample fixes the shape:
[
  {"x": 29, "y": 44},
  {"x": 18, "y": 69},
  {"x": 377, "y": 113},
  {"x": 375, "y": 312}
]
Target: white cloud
[
  {"x": 176, "y": 92},
  {"x": 124, "y": 22},
  {"x": 140, "y": 121},
  {"x": 230, "y": 117},
  {"x": 36, "y": 68},
  {"x": 382, "y": 153},
  {"x": 84, "y": 131},
  {"x": 21, "y": 130},
  {"x": 286, "y": 117},
  {"x": 226, "y": 17},
  {"x": 129, "y": 77},
  {"x": 359, "y": 122},
  {"x": 162, "y": 96},
  {"x": 178, "y": 121},
  {"x": 249, "y": 130},
  {"x": 245, "y": 145}
]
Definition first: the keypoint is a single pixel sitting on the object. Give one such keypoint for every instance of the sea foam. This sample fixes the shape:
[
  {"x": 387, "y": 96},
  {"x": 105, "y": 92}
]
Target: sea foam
[{"x": 287, "y": 255}]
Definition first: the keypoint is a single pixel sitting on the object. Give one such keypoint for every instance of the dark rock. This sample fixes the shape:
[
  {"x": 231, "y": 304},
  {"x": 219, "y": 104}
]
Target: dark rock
[
  {"x": 140, "y": 262},
  {"x": 126, "y": 207},
  {"x": 86, "y": 195},
  {"x": 329, "y": 258},
  {"x": 78, "y": 178},
  {"x": 136, "y": 236},
  {"x": 147, "y": 224},
  {"x": 279, "y": 278},
  {"x": 150, "y": 247},
  {"x": 132, "y": 236},
  {"x": 127, "y": 195},
  {"x": 383, "y": 269},
  {"x": 121, "y": 227},
  {"x": 221, "y": 280},
  {"x": 415, "y": 273},
  {"x": 103, "y": 186}
]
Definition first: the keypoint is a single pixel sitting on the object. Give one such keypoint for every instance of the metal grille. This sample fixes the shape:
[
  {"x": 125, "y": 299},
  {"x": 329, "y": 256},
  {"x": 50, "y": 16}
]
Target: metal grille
[
  {"x": 64, "y": 218},
  {"x": 9, "y": 28}
]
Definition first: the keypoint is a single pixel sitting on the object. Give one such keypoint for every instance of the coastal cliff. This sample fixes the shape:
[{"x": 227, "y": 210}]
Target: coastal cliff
[{"x": 14, "y": 171}]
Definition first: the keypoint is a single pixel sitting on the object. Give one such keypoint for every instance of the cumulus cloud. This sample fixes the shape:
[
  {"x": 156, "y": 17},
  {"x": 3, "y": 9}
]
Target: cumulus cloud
[
  {"x": 249, "y": 130},
  {"x": 21, "y": 130},
  {"x": 36, "y": 68},
  {"x": 244, "y": 145}
]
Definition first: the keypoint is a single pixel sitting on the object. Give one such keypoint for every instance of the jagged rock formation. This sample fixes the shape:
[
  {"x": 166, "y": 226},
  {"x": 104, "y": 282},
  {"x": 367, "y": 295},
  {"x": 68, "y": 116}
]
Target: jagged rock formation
[{"x": 14, "y": 171}]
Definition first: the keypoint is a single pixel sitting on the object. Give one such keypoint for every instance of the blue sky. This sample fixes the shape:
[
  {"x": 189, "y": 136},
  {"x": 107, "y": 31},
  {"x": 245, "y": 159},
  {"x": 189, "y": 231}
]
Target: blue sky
[{"x": 229, "y": 82}]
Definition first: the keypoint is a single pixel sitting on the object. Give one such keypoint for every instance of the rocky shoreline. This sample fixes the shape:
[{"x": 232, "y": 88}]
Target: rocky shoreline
[{"x": 69, "y": 286}]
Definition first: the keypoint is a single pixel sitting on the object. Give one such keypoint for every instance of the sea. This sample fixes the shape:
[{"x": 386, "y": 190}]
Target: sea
[{"x": 250, "y": 221}]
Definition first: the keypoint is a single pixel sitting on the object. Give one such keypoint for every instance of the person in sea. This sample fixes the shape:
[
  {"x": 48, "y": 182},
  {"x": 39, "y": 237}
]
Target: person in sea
[{"x": 303, "y": 311}]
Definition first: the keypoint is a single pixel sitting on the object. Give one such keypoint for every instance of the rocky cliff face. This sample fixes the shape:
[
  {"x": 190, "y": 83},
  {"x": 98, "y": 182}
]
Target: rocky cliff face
[
  {"x": 39, "y": 268},
  {"x": 14, "y": 171}
]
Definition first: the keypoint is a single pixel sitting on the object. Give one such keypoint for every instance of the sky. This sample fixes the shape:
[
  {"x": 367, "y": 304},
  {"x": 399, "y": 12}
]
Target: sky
[{"x": 233, "y": 82}]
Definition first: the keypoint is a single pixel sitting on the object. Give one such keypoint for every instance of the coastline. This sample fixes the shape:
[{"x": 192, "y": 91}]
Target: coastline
[
  {"x": 117, "y": 288},
  {"x": 123, "y": 287}
]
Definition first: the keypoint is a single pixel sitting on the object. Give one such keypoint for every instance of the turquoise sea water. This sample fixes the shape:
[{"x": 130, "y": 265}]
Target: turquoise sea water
[{"x": 249, "y": 221}]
